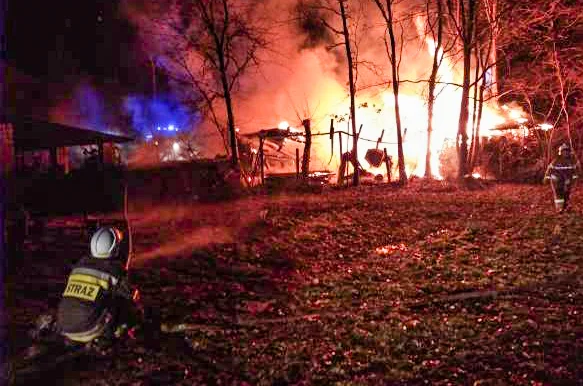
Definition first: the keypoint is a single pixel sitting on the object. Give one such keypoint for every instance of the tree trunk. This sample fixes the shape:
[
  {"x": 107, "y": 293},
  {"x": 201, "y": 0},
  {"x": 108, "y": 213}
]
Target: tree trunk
[
  {"x": 467, "y": 21},
  {"x": 395, "y": 75},
  {"x": 475, "y": 107},
  {"x": 432, "y": 84},
  {"x": 430, "y": 102},
  {"x": 219, "y": 40},
  {"x": 464, "y": 117},
  {"x": 355, "y": 176},
  {"x": 478, "y": 146},
  {"x": 230, "y": 115},
  {"x": 307, "y": 148}
]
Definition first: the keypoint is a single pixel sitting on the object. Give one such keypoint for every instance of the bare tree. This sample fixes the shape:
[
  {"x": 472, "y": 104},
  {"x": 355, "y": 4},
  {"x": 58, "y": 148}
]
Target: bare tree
[
  {"x": 464, "y": 13},
  {"x": 206, "y": 46},
  {"x": 485, "y": 70},
  {"x": 387, "y": 12},
  {"x": 351, "y": 84},
  {"x": 328, "y": 13},
  {"x": 544, "y": 63},
  {"x": 435, "y": 11}
]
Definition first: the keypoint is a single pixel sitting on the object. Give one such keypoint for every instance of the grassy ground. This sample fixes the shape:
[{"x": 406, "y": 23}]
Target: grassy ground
[{"x": 432, "y": 284}]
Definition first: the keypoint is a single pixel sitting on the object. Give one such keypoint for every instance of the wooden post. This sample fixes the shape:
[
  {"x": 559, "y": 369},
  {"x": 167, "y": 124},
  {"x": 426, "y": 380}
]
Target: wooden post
[
  {"x": 307, "y": 148},
  {"x": 101, "y": 154},
  {"x": 346, "y": 166},
  {"x": 261, "y": 160},
  {"x": 387, "y": 164},
  {"x": 63, "y": 158},
  {"x": 297, "y": 163},
  {"x": 340, "y": 175}
]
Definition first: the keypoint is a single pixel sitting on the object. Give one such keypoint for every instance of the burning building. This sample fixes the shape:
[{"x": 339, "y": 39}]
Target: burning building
[{"x": 309, "y": 82}]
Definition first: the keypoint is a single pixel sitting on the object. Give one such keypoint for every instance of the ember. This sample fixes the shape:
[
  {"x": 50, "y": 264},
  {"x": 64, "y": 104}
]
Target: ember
[{"x": 389, "y": 249}]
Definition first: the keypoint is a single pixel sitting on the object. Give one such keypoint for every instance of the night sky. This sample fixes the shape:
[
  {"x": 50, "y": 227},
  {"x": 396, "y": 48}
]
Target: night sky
[{"x": 62, "y": 41}]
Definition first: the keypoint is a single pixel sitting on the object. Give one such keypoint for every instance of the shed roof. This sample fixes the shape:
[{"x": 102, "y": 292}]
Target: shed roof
[{"x": 33, "y": 134}]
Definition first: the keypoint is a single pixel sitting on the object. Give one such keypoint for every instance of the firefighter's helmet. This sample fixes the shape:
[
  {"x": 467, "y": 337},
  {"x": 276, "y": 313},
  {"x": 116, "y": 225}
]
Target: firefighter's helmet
[
  {"x": 564, "y": 149},
  {"x": 106, "y": 243}
]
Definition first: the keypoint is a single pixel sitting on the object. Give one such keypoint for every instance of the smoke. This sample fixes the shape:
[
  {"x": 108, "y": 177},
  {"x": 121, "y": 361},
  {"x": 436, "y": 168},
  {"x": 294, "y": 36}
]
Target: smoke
[
  {"x": 84, "y": 106},
  {"x": 311, "y": 22},
  {"x": 166, "y": 129},
  {"x": 307, "y": 77},
  {"x": 303, "y": 74}
]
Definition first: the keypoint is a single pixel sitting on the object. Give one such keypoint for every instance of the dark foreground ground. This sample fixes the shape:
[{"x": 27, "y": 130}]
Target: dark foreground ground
[{"x": 431, "y": 284}]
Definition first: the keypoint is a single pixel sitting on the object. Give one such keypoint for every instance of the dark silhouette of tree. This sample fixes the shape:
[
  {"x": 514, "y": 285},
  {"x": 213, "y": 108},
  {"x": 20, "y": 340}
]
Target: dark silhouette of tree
[
  {"x": 352, "y": 87},
  {"x": 539, "y": 41},
  {"x": 327, "y": 12},
  {"x": 207, "y": 47},
  {"x": 387, "y": 12},
  {"x": 485, "y": 62},
  {"x": 435, "y": 24},
  {"x": 463, "y": 14}
]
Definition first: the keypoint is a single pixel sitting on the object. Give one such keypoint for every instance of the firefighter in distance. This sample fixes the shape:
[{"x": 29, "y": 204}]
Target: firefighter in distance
[{"x": 563, "y": 172}]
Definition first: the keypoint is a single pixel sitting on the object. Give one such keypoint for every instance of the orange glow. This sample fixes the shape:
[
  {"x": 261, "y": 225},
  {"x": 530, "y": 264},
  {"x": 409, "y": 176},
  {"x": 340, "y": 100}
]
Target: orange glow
[
  {"x": 413, "y": 111},
  {"x": 375, "y": 112}
]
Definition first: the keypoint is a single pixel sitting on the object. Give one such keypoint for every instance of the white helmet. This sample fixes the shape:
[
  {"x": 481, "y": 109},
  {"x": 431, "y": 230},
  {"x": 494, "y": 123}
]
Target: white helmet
[
  {"x": 564, "y": 149},
  {"x": 105, "y": 243}
]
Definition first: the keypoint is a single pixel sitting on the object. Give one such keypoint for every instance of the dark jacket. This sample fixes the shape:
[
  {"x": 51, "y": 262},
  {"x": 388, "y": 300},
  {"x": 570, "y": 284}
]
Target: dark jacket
[
  {"x": 89, "y": 297},
  {"x": 563, "y": 169}
]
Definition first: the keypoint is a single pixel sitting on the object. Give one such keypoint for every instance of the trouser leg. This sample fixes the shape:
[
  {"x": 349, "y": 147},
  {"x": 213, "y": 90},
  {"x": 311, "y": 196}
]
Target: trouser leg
[
  {"x": 558, "y": 187},
  {"x": 567, "y": 195}
]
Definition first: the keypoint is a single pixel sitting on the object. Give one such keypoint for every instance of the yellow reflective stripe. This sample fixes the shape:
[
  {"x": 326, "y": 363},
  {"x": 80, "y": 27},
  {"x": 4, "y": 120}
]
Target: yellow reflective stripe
[
  {"x": 81, "y": 290},
  {"x": 96, "y": 273},
  {"x": 84, "y": 338},
  {"x": 88, "y": 336},
  {"x": 89, "y": 279}
]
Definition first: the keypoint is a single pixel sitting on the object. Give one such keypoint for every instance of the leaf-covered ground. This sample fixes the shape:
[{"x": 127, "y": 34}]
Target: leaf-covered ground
[{"x": 431, "y": 284}]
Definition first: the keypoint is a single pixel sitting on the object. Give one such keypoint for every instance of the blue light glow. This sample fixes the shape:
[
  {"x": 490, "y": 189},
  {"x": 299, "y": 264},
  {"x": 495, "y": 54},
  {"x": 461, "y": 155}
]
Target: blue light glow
[{"x": 162, "y": 116}]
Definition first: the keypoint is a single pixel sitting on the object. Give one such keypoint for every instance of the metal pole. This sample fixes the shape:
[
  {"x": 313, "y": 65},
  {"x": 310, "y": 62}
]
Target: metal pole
[{"x": 3, "y": 260}]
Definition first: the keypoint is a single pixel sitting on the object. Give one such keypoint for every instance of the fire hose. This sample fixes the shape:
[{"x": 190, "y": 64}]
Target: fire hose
[{"x": 126, "y": 217}]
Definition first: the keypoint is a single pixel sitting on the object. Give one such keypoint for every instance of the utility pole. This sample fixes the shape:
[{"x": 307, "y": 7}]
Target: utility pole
[
  {"x": 4, "y": 376},
  {"x": 3, "y": 51}
]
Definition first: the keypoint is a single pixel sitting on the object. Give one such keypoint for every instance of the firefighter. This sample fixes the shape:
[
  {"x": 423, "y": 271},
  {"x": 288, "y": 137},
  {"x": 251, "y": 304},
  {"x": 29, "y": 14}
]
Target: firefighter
[
  {"x": 98, "y": 303},
  {"x": 562, "y": 172}
]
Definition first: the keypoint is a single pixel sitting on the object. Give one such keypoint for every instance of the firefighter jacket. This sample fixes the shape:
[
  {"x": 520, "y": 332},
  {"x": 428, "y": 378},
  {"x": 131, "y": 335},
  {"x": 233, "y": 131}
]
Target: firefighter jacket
[
  {"x": 563, "y": 169},
  {"x": 93, "y": 287}
]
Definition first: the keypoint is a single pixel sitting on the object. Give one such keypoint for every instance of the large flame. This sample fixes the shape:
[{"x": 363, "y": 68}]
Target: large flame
[
  {"x": 310, "y": 82},
  {"x": 378, "y": 116}
]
